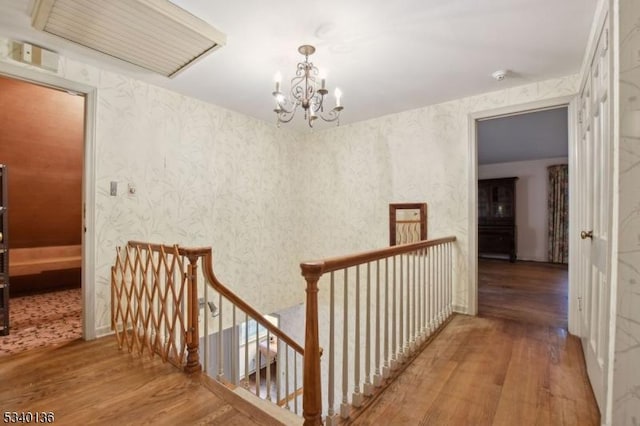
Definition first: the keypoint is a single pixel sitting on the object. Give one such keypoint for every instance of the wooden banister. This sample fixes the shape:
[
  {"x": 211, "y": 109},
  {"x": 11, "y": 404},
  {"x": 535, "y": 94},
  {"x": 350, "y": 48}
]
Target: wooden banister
[
  {"x": 206, "y": 254},
  {"x": 132, "y": 261},
  {"x": 312, "y": 401},
  {"x": 242, "y": 305},
  {"x": 193, "y": 333},
  {"x": 312, "y": 271},
  {"x": 184, "y": 251},
  {"x": 341, "y": 262}
]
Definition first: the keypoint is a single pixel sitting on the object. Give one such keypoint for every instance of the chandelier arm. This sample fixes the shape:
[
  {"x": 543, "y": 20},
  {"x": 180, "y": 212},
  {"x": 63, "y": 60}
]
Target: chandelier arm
[
  {"x": 282, "y": 103},
  {"x": 298, "y": 93},
  {"x": 318, "y": 103},
  {"x": 330, "y": 116},
  {"x": 285, "y": 117},
  {"x": 282, "y": 106}
]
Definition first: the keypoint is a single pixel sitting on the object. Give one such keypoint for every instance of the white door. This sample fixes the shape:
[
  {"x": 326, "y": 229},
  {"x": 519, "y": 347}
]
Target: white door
[{"x": 595, "y": 201}]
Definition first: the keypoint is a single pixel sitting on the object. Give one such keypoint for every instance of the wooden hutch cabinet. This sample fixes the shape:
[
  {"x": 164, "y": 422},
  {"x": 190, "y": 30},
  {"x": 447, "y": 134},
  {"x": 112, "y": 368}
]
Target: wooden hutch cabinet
[{"x": 497, "y": 217}]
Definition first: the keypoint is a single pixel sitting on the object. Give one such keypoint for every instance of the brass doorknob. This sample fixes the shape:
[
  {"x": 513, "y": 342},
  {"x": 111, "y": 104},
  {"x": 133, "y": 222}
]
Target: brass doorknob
[{"x": 586, "y": 234}]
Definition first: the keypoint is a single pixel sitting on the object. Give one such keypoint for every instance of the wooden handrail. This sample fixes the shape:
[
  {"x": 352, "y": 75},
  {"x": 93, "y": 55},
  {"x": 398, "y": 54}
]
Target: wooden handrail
[
  {"x": 207, "y": 260},
  {"x": 341, "y": 262},
  {"x": 244, "y": 306},
  {"x": 193, "y": 251},
  {"x": 207, "y": 255},
  {"x": 312, "y": 271}
]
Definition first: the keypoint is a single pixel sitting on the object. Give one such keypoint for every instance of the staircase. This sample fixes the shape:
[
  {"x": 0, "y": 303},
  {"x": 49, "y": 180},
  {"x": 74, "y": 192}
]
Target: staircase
[{"x": 373, "y": 312}]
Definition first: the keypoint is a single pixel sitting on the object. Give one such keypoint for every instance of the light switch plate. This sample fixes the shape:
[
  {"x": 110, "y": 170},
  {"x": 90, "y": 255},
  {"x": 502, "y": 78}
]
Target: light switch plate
[{"x": 114, "y": 189}]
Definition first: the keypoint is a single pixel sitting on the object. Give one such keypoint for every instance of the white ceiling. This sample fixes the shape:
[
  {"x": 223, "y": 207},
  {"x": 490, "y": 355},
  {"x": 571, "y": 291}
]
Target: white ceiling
[{"x": 385, "y": 56}]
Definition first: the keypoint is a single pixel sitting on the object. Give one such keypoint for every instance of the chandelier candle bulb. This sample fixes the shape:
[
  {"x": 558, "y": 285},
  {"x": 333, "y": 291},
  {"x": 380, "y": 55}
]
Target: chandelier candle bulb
[
  {"x": 338, "y": 94},
  {"x": 278, "y": 79}
]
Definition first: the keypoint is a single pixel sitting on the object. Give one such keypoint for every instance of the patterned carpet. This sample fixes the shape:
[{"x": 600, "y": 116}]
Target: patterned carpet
[{"x": 42, "y": 320}]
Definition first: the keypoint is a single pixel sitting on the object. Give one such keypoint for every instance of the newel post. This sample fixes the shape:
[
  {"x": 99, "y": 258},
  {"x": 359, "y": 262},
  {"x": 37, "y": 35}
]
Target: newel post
[
  {"x": 193, "y": 334},
  {"x": 312, "y": 394}
]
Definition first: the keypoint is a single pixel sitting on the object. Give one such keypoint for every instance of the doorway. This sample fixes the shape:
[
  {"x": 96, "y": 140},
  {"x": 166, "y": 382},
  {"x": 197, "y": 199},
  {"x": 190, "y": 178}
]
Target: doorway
[
  {"x": 522, "y": 217},
  {"x": 42, "y": 146},
  {"x": 472, "y": 223}
]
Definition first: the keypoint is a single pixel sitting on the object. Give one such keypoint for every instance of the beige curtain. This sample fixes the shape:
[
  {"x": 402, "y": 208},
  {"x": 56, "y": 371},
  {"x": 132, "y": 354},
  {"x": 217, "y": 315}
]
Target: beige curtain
[{"x": 558, "y": 206}]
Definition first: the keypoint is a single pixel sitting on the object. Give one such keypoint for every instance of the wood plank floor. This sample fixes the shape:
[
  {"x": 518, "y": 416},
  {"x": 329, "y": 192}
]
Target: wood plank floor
[
  {"x": 485, "y": 371},
  {"x": 531, "y": 292},
  {"x": 94, "y": 383}
]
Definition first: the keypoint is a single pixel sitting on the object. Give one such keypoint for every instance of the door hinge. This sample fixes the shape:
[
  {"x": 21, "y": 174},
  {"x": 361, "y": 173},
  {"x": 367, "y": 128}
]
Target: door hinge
[{"x": 579, "y": 303}]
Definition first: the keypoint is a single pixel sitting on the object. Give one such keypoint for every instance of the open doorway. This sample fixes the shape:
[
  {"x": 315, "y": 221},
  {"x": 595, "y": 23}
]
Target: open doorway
[
  {"x": 42, "y": 146},
  {"x": 522, "y": 223}
]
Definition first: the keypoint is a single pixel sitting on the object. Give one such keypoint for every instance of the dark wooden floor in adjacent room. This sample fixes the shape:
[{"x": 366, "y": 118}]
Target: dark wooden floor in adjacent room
[{"x": 531, "y": 292}]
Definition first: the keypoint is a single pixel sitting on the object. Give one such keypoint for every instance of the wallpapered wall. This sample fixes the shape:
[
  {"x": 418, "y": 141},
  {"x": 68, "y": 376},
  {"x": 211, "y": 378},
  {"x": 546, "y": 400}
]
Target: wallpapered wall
[
  {"x": 353, "y": 172},
  {"x": 204, "y": 176},
  {"x": 209, "y": 176},
  {"x": 626, "y": 397}
]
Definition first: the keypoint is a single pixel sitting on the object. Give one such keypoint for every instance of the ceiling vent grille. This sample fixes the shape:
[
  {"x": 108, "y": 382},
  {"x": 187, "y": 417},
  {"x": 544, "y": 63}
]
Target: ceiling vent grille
[{"x": 153, "y": 34}]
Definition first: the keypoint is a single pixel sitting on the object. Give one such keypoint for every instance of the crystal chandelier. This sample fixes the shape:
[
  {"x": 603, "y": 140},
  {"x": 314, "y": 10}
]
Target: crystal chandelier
[{"x": 306, "y": 94}]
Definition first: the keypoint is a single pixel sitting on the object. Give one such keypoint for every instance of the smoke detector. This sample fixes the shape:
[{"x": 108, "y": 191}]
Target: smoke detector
[{"x": 499, "y": 75}]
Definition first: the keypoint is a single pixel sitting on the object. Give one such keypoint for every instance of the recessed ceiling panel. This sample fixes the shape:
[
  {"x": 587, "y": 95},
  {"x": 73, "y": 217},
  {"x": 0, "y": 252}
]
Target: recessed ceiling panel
[{"x": 153, "y": 34}]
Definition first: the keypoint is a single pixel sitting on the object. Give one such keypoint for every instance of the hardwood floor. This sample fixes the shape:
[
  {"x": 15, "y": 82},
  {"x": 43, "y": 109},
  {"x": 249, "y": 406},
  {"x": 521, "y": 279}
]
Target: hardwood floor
[
  {"x": 510, "y": 367},
  {"x": 485, "y": 371},
  {"x": 530, "y": 292},
  {"x": 94, "y": 383}
]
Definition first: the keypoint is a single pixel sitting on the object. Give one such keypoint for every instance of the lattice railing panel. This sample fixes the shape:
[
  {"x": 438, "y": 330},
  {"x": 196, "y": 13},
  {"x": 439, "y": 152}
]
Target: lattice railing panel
[
  {"x": 159, "y": 299},
  {"x": 149, "y": 286}
]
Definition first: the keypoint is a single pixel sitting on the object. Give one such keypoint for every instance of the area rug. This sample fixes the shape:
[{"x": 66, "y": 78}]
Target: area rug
[{"x": 41, "y": 320}]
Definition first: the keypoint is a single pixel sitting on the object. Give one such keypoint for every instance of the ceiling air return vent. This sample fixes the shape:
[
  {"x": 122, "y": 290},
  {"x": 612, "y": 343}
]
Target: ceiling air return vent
[{"x": 153, "y": 34}]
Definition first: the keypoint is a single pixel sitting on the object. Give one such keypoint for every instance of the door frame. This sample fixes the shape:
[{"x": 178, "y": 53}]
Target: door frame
[
  {"x": 472, "y": 248},
  {"x": 88, "y": 180}
]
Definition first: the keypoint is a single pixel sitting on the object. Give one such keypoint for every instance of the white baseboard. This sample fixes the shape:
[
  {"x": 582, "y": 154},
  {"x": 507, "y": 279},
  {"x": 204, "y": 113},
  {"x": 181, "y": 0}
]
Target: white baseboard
[
  {"x": 532, "y": 258},
  {"x": 460, "y": 309},
  {"x": 104, "y": 331}
]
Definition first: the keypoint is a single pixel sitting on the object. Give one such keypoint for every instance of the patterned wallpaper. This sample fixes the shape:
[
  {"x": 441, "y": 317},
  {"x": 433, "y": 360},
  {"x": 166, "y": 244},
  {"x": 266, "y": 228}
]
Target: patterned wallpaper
[
  {"x": 351, "y": 173},
  {"x": 626, "y": 384},
  {"x": 204, "y": 176},
  {"x": 209, "y": 176}
]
